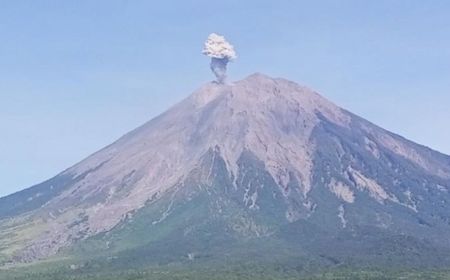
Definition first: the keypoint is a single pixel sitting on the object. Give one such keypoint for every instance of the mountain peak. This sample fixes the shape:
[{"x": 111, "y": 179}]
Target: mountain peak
[
  {"x": 261, "y": 154},
  {"x": 258, "y": 76},
  {"x": 257, "y": 90}
]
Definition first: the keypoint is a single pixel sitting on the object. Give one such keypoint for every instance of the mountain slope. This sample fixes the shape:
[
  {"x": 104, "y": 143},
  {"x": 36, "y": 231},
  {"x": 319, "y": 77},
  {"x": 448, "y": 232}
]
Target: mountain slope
[{"x": 234, "y": 172}]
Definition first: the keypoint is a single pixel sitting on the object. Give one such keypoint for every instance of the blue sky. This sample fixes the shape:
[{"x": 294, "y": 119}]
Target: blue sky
[{"x": 76, "y": 75}]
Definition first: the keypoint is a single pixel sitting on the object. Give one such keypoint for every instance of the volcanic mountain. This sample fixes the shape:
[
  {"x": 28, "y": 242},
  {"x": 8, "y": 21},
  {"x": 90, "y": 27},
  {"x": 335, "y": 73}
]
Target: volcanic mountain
[{"x": 262, "y": 169}]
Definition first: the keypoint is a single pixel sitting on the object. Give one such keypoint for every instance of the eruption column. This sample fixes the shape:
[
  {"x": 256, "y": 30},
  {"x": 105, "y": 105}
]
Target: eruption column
[{"x": 221, "y": 52}]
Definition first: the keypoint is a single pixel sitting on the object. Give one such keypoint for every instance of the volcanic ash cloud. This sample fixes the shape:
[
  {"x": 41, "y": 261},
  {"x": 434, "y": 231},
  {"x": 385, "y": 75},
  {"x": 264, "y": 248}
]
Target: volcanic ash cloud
[{"x": 221, "y": 52}]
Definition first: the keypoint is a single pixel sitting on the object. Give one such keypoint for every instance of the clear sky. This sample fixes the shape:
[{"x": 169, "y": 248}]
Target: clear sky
[{"x": 76, "y": 75}]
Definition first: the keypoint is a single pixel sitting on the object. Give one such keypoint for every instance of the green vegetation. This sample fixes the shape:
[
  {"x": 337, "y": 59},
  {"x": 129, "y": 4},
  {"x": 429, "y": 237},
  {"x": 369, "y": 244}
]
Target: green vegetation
[{"x": 194, "y": 272}]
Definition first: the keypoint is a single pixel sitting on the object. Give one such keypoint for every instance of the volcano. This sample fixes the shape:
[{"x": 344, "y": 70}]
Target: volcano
[{"x": 261, "y": 170}]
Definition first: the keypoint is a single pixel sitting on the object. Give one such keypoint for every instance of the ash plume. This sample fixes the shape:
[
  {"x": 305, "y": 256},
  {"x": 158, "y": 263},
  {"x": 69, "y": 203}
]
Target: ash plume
[{"x": 221, "y": 52}]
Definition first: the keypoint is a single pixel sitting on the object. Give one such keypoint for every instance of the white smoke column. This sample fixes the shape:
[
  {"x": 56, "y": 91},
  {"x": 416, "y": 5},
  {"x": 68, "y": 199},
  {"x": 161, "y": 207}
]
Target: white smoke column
[{"x": 221, "y": 52}]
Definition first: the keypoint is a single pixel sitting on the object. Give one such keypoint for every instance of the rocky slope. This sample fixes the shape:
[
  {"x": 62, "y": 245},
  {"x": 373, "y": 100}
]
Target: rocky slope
[{"x": 252, "y": 164}]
